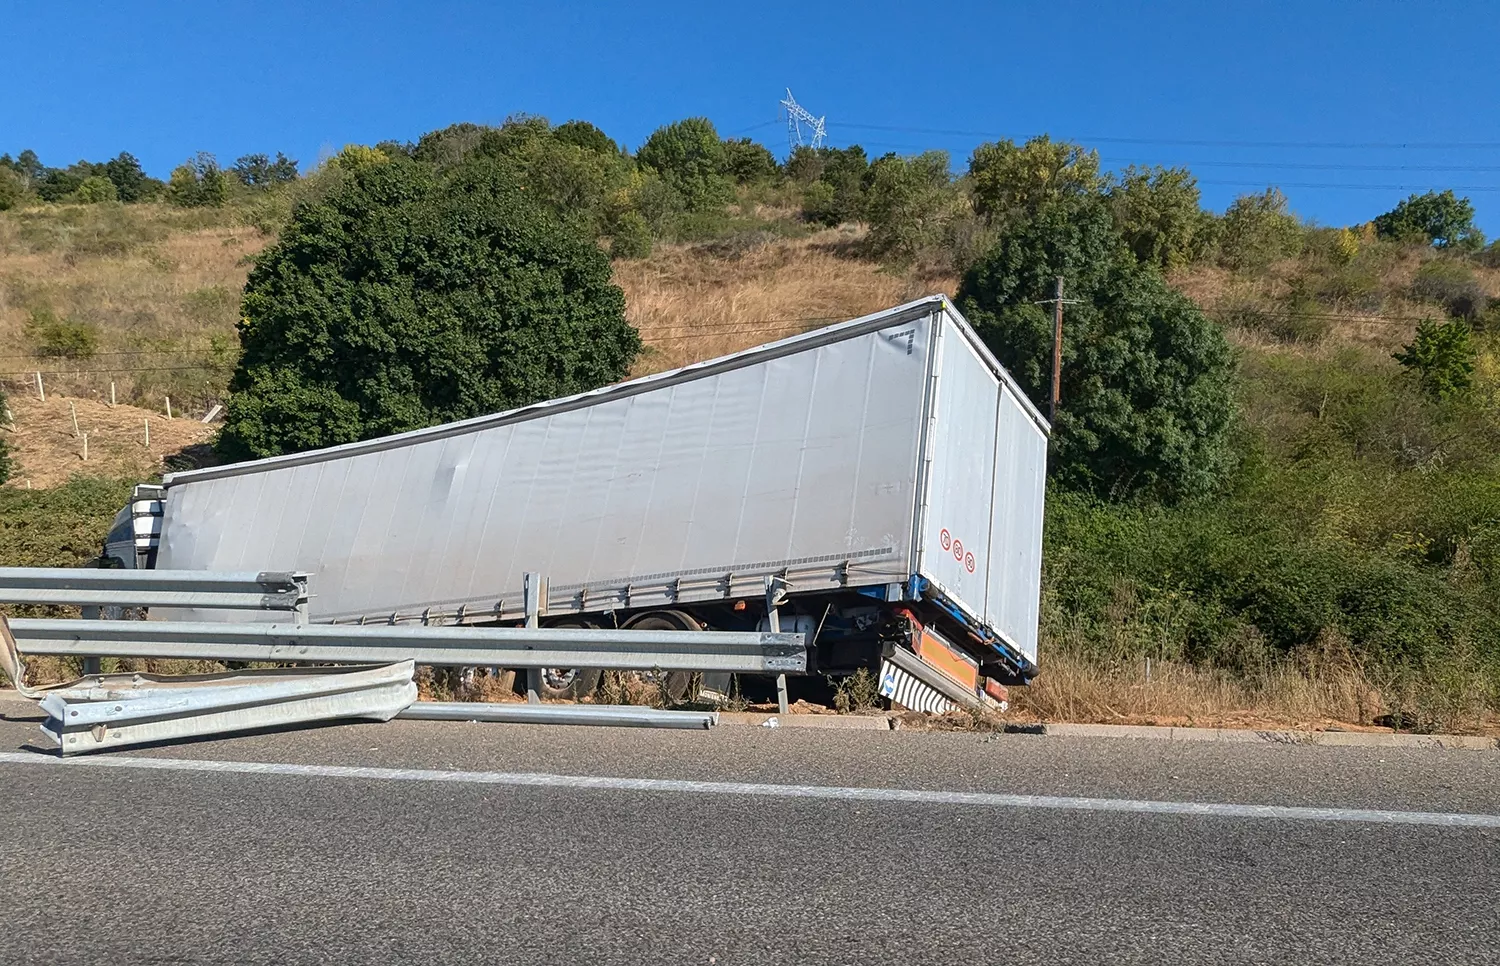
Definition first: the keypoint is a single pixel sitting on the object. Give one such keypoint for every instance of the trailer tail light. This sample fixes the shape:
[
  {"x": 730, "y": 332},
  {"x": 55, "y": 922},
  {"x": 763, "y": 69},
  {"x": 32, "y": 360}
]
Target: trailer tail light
[{"x": 998, "y": 693}]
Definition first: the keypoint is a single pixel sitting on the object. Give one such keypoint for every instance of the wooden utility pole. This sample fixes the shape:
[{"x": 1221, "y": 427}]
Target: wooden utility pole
[{"x": 1057, "y": 302}]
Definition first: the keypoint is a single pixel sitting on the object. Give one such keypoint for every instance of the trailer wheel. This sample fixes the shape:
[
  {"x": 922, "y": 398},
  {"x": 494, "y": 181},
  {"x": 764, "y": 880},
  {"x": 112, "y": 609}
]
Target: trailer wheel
[
  {"x": 680, "y": 687},
  {"x": 569, "y": 682}
]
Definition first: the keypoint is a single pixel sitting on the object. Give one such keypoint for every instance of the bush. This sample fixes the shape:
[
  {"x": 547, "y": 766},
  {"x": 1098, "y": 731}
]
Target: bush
[
  {"x": 406, "y": 298},
  {"x": 582, "y": 134},
  {"x": 198, "y": 183},
  {"x": 56, "y": 338},
  {"x": 95, "y": 190},
  {"x": 12, "y": 189},
  {"x": 631, "y": 237},
  {"x": 259, "y": 172},
  {"x": 1453, "y": 285},
  {"x": 836, "y": 193},
  {"x": 1434, "y": 218},
  {"x": 691, "y": 159},
  {"x": 747, "y": 162},
  {"x": 1013, "y": 183},
  {"x": 1258, "y": 229},
  {"x": 63, "y": 526},
  {"x": 1442, "y": 357},
  {"x": 131, "y": 184},
  {"x": 1146, "y": 380},
  {"x": 909, "y": 205},
  {"x": 1157, "y": 213}
]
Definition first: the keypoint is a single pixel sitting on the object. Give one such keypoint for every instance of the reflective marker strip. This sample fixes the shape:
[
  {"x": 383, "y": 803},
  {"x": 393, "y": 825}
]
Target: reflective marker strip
[{"x": 908, "y": 796}]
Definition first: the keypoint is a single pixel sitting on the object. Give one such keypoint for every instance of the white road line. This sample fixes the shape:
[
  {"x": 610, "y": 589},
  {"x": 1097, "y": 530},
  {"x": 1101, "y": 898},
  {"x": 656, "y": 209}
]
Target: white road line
[{"x": 679, "y": 786}]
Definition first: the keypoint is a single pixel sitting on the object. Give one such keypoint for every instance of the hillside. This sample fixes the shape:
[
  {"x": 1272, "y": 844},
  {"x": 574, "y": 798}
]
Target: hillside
[{"x": 1346, "y": 572}]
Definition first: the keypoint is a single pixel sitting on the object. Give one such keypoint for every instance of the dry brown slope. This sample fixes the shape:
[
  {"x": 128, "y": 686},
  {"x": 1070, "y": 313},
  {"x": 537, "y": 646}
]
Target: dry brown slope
[{"x": 46, "y": 453}]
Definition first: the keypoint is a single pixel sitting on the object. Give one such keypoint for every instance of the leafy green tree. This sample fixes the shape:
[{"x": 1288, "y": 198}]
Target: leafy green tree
[
  {"x": 748, "y": 162},
  {"x": 406, "y": 297},
  {"x": 95, "y": 189},
  {"x": 29, "y": 166},
  {"x": 908, "y": 205},
  {"x": 1147, "y": 379},
  {"x": 1157, "y": 212},
  {"x": 1012, "y": 183},
  {"x": 131, "y": 184},
  {"x": 57, "y": 184},
  {"x": 450, "y": 145},
  {"x": 1442, "y": 357},
  {"x": 1434, "y": 218},
  {"x": 691, "y": 159},
  {"x": 258, "y": 171},
  {"x": 838, "y": 194},
  {"x": 198, "y": 183},
  {"x": 12, "y": 188},
  {"x": 582, "y": 134},
  {"x": 1258, "y": 229}
]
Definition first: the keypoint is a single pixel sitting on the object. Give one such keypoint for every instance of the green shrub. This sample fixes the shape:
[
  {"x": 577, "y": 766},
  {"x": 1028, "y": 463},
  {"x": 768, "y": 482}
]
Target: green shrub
[
  {"x": 56, "y": 338},
  {"x": 198, "y": 183},
  {"x": 747, "y": 162},
  {"x": 584, "y": 135},
  {"x": 94, "y": 190},
  {"x": 1012, "y": 183},
  {"x": 12, "y": 189},
  {"x": 131, "y": 184},
  {"x": 1441, "y": 356},
  {"x": 1157, "y": 212},
  {"x": 837, "y": 192},
  {"x": 691, "y": 159},
  {"x": 1435, "y": 218},
  {"x": 63, "y": 526},
  {"x": 406, "y": 298},
  {"x": 259, "y": 172},
  {"x": 909, "y": 204},
  {"x": 630, "y": 237},
  {"x": 1258, "y": 230},
  {"x": 1147, "y": 380}
]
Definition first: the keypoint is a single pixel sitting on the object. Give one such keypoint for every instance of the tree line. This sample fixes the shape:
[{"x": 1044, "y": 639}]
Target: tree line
[{"x": 197, "y": 182}]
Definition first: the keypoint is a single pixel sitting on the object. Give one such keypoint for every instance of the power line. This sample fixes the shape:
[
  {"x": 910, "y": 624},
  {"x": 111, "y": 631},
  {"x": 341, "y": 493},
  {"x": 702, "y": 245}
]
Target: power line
[
  {"x": 175, "y": 353},
  {"x": 1300, "y": 166},
  {"x": 107, "y": 372},
  {"x": 1204, "y": 142}
]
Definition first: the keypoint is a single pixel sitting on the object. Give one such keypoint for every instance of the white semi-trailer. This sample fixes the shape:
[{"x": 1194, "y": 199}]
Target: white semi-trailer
[{"x": 886, "y": 472}]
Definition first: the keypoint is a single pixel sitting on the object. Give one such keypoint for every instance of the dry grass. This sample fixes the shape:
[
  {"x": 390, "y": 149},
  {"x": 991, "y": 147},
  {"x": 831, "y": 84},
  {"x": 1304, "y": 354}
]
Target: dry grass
[
  {"x": 696, "y": 302},
  {"x": 47, "y": 453},
  {"x": 157, "y": 285},
  {"x": 1304, "y": 693}
]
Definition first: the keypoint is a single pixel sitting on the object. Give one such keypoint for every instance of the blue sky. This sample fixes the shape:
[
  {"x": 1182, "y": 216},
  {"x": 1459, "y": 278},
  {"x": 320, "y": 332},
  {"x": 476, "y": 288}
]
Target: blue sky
[{"x": 1317, "y": 96}]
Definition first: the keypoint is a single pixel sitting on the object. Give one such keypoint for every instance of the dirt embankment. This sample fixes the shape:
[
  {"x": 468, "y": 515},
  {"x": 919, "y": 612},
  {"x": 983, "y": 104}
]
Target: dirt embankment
[{"x": 46, "y": 451}]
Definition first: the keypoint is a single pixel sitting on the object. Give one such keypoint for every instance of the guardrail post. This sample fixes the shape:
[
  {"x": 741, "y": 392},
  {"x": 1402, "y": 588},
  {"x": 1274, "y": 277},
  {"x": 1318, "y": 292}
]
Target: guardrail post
[
  {"x": 299, "y": 615},
  {"x": 535, "y": 604},
  {"x": 92, "y": 665},
  {"x": 775, "y": 595}
]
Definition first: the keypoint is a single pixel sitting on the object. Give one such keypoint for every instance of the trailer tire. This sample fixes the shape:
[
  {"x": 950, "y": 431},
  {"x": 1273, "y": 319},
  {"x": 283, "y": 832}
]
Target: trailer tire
[
  {"x": 679, "y": 687},
  {"x": 564, "y": 683}
]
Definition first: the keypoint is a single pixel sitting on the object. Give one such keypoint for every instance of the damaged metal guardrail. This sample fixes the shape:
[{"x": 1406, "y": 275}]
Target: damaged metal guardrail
[
  {"x": 116, "y": 710},
  {"x": 751, "y": 652}
]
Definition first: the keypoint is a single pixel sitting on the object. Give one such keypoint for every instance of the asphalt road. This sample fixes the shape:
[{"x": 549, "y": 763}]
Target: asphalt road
[{"x": 461, "y": 862}]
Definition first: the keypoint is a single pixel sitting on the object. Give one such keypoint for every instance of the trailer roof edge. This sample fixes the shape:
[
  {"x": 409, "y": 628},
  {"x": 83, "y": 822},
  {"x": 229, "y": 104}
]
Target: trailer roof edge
[{"x": 771, "y": 350}]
